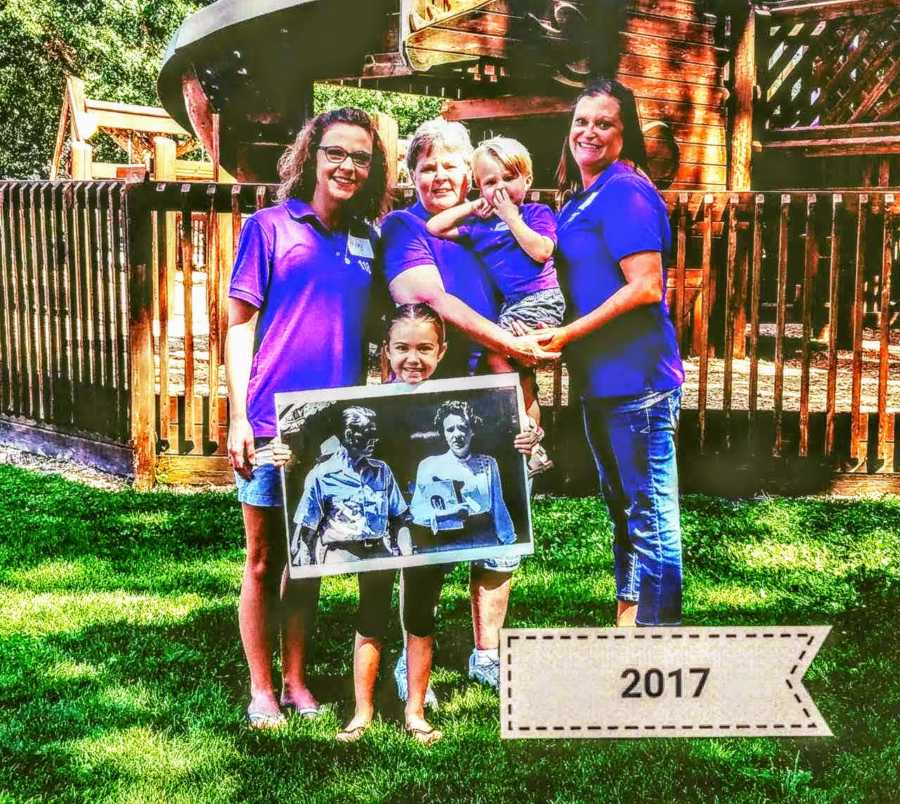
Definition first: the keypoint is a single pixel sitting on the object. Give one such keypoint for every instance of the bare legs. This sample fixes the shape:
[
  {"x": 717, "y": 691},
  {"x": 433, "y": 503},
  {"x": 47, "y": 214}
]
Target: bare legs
[
  {"x": 258, "y": 609},
  {"x": 300, "y": 599},
  {"x": 498, "y": 364},
  {"x": 489, "y": 595},
  {"x": 419, "y": 652}
]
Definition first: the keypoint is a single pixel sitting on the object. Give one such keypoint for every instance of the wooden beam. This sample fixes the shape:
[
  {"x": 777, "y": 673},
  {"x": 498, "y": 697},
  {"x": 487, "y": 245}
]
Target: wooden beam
[
  {"x": 131, "y": 121},
  {"x": 140, "y": 339},
  {"x": 885, "y": 129},
  {"x": 831, "y": 9},
  {"x": 856, "y": 146},
  {"x": 742, "y": 129},
  {"x": 82, "y": 156}
]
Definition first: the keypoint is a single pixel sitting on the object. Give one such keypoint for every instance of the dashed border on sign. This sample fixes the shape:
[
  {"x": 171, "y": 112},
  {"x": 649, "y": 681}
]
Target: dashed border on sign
[{"x": 795, "y": 687}]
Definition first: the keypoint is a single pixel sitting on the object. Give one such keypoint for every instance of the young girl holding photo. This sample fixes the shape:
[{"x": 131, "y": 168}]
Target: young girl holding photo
[{"x": 414, "y": 344}]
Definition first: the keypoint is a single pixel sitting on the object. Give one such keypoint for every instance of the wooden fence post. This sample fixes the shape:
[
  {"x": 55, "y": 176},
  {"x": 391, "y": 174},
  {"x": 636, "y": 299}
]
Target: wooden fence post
[
  {"x": 140, "y": 338},
  {"x": 82, "y": 161},
  {"x": 744, "y": 81},
  {"x": 389, "y": 132}
]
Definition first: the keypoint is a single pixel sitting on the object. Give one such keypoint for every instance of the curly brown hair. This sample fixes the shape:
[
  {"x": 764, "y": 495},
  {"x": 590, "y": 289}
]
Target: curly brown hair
[{"x": 297, "y": 165}]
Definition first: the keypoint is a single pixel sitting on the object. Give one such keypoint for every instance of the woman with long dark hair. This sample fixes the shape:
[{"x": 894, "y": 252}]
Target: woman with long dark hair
[
  {"x": 613, "y": 242},
  {"x": 300, "y": 290}
]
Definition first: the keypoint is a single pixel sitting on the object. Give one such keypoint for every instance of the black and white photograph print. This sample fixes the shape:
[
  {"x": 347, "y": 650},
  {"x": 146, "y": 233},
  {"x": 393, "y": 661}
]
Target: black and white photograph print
[{"x": 387, "y": 476}]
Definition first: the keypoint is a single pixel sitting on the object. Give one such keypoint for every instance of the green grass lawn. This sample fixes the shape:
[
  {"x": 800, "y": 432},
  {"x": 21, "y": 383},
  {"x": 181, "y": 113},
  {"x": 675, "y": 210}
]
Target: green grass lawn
[{"x": 122, "y": 676}]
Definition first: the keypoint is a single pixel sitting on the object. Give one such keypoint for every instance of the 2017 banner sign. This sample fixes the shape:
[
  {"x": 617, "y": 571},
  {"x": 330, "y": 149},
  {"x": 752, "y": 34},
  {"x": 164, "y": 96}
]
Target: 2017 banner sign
[{"x": 659, "y": 682}]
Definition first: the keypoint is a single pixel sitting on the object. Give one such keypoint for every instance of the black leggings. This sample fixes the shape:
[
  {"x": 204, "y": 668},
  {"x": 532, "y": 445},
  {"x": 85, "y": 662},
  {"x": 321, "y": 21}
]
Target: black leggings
[{"x": 421, "y": 589}]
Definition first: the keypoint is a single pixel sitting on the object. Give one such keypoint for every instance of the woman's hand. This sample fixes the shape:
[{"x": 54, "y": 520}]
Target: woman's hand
[
  {"x": 241, "y": 451},
  {"x": 530, "y": 350},
  {"x": 281, "y": 453},
  {"x": 528, "y": 439},
  {"x": 553, "y": 339}
]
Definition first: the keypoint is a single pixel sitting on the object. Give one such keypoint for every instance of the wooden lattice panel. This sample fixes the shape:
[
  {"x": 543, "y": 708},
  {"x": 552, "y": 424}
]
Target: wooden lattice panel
[{"x": 830, "y": 71}]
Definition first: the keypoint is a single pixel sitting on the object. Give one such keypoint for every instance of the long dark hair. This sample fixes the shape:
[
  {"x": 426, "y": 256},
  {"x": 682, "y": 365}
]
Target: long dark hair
[
  {"x": 297, "y": 165},
  {"x": 568, "y": 177}
]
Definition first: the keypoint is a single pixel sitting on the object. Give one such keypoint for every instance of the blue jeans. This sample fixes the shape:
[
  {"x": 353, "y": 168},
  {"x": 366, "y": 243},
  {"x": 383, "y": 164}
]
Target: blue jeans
[{"x": 633, "y": 443}]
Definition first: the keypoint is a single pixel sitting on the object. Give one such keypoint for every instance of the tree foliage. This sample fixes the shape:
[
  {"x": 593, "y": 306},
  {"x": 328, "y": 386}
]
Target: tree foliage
[
  {"x": 407, "y": 110},
  {"x": 116, "y": 46}
]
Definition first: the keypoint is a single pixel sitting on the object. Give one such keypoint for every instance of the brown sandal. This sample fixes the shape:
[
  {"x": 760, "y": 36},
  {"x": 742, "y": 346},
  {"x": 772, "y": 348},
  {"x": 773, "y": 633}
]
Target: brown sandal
[
  {"x": 352, "y": 735},
  {"x": 427, "y": 736}
]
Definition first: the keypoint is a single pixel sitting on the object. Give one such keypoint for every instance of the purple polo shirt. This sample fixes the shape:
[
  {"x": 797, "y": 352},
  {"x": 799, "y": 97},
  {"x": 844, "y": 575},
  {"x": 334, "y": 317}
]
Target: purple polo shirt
[
  {"x": 620, "y": 214},
  {"x": 311, "y": 286},
  {"x": 514, "y": 273},
  {"x": 407, "y": 244}
]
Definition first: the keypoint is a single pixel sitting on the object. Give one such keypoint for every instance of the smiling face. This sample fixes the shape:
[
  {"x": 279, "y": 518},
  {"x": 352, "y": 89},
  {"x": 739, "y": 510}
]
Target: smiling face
[
  {"x": 491, "y": 176},
  {"x": 414, "y": 349},
  {"x": 596, "y": 135},
  {"x": 441, "y": 178},
  {"x": 458, "y": 434},
  {"x": 338, "y": 183}
]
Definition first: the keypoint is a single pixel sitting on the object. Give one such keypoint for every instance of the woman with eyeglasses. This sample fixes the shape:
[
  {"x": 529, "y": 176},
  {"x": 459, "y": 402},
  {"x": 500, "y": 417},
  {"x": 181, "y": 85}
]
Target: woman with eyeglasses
[{"x": 300, "y": 290}]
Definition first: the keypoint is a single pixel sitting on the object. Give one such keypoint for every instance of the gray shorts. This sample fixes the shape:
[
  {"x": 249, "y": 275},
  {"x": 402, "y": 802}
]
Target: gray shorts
[{"x": 547, "y": 307}]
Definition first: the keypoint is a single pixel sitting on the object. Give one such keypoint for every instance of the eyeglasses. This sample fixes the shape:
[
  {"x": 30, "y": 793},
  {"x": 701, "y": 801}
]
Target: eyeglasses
[{"x": 336, "y": 154}]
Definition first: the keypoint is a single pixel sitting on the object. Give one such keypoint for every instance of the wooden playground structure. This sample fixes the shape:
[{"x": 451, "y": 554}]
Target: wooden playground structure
[{"x": 778, "y": 138}]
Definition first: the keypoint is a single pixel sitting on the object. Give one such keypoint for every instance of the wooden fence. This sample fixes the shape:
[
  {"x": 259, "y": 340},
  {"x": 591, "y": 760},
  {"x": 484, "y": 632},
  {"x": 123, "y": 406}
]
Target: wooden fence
[
  {"x": 64, "y": 362},
  {"x": 785, "y": 304}
]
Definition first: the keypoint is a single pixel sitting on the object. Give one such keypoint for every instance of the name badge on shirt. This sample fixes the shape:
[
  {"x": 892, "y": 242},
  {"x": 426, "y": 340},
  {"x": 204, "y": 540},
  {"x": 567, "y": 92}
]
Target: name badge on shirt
[{"x": 360, "y": 247}]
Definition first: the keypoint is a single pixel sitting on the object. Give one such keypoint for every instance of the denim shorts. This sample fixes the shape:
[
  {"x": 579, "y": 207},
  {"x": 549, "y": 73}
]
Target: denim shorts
[
  {"x": 499, "y": 564},
  {"x": 633, "y": 444},
  {"x": 263, "y": 489}
]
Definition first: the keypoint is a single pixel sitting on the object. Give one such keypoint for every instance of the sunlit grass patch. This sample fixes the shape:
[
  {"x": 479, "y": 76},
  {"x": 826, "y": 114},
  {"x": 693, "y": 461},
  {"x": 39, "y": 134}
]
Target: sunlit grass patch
[
  {"x": 48, "y": 613},
  {"x": 122, "y": 677}
]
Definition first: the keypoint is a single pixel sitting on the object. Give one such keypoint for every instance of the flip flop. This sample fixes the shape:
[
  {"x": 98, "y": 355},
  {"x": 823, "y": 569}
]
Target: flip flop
[
  {"x": 427, "y": 736},
  {"x": 309, "y": 712},
  {"x": 264, "y": 720},
  {"x": 352, "y": 735}
]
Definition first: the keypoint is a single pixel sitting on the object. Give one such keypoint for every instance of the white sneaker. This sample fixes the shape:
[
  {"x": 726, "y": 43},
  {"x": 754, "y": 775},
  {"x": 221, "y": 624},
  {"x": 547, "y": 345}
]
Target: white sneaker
[
  {"x": 485, "y": 672},
  {"x": 403, "y": 687}
]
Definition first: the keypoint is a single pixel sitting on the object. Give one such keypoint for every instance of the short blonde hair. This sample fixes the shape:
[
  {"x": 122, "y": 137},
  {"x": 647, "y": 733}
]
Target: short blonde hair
[
  {"x": 438, "y": 133},
  {"x": 509, "y": 153}
]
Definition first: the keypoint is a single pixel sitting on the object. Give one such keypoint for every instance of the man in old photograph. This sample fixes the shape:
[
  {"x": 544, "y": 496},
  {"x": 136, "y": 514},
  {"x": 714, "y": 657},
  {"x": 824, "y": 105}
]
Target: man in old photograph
[{"x": 351, "y": 507}]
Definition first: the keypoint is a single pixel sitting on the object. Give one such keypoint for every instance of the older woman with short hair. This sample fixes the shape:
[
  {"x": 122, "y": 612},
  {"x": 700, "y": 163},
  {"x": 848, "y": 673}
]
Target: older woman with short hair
[{"x": 613, "y": 243}]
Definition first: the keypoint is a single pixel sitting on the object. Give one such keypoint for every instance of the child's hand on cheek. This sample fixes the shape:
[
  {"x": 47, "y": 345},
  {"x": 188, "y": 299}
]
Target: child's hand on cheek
[{"x": 506, "y": 210}]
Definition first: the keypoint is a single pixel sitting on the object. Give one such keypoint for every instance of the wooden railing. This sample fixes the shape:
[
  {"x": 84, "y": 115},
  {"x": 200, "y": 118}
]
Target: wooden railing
[
  {"x": 64, "y": 362},
  {"x": 785, "y": 306}
]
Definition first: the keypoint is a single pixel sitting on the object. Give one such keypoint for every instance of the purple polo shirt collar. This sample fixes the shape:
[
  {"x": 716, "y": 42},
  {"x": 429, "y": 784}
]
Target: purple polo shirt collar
[
  {"x": 418, "y": 209},
  {"x": 301, "y": 210}
]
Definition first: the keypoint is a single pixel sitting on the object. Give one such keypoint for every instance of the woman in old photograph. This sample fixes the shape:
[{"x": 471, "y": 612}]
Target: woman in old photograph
[
  {"x": 621, "y": 349},
  {"x": 458, "y": 498},
  {"x": 303, "y": 266}
]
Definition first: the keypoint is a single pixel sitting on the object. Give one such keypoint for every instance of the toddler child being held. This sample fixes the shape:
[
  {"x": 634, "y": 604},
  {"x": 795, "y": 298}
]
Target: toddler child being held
[{"x": 515, "y": 241}]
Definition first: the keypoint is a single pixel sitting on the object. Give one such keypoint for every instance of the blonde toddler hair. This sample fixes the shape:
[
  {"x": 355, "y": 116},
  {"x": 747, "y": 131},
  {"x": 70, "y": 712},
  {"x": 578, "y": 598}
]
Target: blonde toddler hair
[{"x": 509, "y": 153}]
